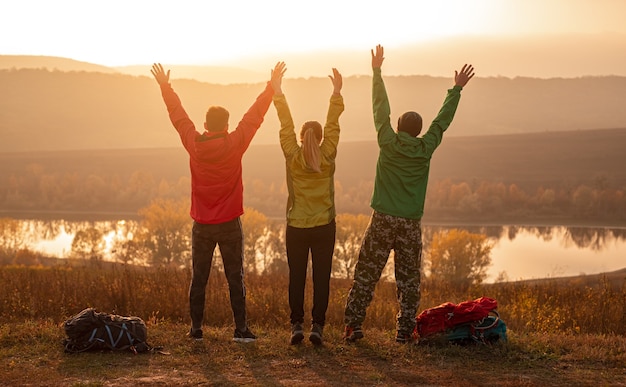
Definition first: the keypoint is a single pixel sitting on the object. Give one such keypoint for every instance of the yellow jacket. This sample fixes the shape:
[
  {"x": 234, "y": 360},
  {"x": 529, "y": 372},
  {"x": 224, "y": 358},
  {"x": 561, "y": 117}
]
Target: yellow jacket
[{"x": 311, "y": 200}]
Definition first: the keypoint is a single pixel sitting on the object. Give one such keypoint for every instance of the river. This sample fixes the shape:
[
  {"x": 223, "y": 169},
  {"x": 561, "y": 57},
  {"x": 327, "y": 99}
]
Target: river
[{"x": 519, "y": 252}]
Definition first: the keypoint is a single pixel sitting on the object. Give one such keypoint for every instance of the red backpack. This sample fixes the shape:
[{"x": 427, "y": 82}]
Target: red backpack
[{"x": 446, "y": 316}]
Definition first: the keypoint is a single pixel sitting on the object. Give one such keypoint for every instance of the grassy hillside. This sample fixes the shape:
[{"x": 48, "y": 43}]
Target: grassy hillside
[
  {"x": 529, "y": 160},
  {"x": 48, "y": 110}
]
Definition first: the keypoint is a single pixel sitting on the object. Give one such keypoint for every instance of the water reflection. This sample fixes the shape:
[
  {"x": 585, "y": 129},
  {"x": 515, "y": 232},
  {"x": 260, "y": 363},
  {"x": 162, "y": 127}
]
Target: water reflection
[
  {"x": 594, "y": 238},
  {"x": 521, "y": 252},
  {"x": 528, "y": 252}
]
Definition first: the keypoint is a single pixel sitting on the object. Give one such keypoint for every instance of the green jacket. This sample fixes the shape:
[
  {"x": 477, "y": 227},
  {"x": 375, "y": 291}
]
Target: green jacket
[
  {"x": 404, "y": 161},
  {"x": 311, "y": 200}
]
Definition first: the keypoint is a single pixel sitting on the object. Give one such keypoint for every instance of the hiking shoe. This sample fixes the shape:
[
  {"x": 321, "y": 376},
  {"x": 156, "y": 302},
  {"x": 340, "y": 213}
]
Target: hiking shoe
[
  {"x": 195, "y": 334},
  {"x": 352, "y": 334},
  {"x": 297, "y": 335},
  {"x": 316, "y": 334},
  {"x": 244, "y": 337},
  {"x": 406, "y": 338}
]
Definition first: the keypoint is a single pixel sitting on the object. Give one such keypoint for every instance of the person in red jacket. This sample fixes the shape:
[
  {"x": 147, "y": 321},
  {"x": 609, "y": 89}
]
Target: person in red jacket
[{"x": 216, "y": 195}]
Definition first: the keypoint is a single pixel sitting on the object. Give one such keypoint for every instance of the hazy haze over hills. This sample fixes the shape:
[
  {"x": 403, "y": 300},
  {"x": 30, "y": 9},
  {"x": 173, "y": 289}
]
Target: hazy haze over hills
[
  {"x": 549, "y": 56},
  {"x": 51, "y": 103}
]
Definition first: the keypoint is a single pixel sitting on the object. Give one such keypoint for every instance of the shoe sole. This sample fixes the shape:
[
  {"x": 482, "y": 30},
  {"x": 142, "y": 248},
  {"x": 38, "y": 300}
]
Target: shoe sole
[
  {"x": 194, "y": 338},
  {"x": 296, "y": 338},
  {"x": 315, "y": 338},
  {"x": 243, "y": 340},
  {"x": 353, "y": 338}
]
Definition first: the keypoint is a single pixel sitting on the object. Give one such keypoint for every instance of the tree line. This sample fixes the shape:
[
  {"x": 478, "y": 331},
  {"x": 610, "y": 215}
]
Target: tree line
[{"x": 447, "y": 200}]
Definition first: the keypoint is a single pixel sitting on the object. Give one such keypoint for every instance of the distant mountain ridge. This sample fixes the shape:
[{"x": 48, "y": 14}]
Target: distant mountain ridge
[
  {"x": 86, "y": 108},
  {"x": 50, "y": 63},
  {"x": 542, "y": 56}
]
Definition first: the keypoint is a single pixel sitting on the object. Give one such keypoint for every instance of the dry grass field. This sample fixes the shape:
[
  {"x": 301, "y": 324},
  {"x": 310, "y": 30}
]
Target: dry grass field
[
  {"x": 31, "y": 354},
  {"x": 566, "y": 332}
]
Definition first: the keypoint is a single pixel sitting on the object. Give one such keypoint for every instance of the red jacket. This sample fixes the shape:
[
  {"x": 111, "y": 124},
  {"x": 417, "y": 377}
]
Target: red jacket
[{"x": 215, "y": 158}]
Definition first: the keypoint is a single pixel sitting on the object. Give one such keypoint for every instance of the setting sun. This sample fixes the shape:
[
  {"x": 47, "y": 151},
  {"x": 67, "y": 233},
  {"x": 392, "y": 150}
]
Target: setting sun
[{"x": 118, "y": 33}]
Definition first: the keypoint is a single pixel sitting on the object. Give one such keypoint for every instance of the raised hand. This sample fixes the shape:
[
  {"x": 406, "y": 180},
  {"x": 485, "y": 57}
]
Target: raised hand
[
  {"x": 276, "y": 78},
  {"x": 378, "y": 57},
  {"x": 461, "y": 79},
  {"x": 337, "y": 80},
  {"x": 160, "y": 75}
]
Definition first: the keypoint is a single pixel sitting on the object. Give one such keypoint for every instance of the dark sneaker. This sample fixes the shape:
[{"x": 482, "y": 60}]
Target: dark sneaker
[
  {"x": 244, "y": 337},
  {"x": 316, "y": 334},
  {"x": 195, "y": 334},
  {"x": 406, "y": 338},
  {"x": 297, "y": 334},
  {"x": 352, "y": 334}
]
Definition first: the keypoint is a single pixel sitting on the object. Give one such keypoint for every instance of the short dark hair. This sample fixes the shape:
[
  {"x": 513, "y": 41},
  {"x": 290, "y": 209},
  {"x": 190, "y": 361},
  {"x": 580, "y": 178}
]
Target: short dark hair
[
  {"x": 216, "y": 118},
  {"x": 411, "y": 123}
]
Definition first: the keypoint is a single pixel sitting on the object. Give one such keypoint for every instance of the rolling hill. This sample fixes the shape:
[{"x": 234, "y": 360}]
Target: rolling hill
[
  {"x": 529, "y": 160},
  {"x": 93, "y": 108}
]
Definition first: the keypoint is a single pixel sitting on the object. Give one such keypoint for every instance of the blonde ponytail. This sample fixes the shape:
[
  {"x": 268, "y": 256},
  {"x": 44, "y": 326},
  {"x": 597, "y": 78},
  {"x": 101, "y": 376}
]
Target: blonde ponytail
[{"x": 311, "y": 136}]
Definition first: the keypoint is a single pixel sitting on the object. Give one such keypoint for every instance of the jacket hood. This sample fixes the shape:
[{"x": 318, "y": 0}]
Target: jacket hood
[{"x": 213, "y": 147}]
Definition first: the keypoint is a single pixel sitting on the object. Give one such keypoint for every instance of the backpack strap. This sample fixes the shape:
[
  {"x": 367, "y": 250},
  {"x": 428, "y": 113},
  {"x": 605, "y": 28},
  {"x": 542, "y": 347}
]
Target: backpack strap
[{"x": 71, "y": 347}]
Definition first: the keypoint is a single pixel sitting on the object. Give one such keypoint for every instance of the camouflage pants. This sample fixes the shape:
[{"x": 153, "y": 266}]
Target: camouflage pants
[{"x": 385, "y": 233}]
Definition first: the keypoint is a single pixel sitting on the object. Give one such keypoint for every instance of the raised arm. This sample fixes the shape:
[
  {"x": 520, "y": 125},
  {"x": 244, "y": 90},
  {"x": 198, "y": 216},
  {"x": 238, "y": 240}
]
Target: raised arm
[
  {"x": 380, "y": 101},
  {"x": 432, "y": 138},
  {"x": 287, "y": 135},
  {"x": 335, "y": 108},
  {"x": 252, "y": 120},
  {"x": 178, "y": 116}
]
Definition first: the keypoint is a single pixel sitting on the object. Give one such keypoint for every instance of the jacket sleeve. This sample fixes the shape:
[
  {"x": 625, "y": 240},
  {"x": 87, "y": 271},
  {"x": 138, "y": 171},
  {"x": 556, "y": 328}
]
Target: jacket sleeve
[
  {"x": 179, "y": 118},
  {"x": 328, "y": 147},
  {"x": 252, "y": 120},
  {"x": 432, "y": 138},
  {"x": 287, "y": 134},
  {"x": 382, "y": 111}
]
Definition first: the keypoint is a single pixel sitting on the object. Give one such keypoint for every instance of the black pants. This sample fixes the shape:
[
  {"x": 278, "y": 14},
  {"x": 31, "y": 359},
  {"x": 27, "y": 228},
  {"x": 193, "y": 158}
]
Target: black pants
[
  {"x": 320, "y": 241},
  {"x": 204, "y": 238}
]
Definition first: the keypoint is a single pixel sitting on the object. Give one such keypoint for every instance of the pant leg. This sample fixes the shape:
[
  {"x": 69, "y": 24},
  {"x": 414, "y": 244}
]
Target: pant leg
[
  {"x": 322, "y": 249},
  {"x": 373, "y": 255},
  {"x": 230, "y": 242},
  {"x": 202, "y": 248},
  {"x": 408, "y": 259},
  {"x": 297, "y": 258}
]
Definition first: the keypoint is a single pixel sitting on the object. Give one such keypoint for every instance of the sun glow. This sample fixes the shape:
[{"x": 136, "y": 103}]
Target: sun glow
[
  {"x": 140, "y": 32},
  {"x": 122, "y": 32}
]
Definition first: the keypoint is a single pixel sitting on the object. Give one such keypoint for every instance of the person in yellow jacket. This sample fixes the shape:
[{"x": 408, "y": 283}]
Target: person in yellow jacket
[{"x": 310, "y": 206}]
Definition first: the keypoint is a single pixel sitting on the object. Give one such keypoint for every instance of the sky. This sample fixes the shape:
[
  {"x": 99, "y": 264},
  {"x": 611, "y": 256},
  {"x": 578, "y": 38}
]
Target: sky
[{"x": 228, "y": 32}]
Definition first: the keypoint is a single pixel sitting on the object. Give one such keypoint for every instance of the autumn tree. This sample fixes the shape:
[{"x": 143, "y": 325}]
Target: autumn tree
[
  {"x": 254, "y": 225},
  {"x": 88, "y": 243},
  {"x": 350, "y": 229},
  {"x": 271, "y": 251},
  {"x": 458, "y": 258},
  {"x": 126, "y": 247},
  {"x": 165, "y": 229},
  {"x": 11, "y": 239}
]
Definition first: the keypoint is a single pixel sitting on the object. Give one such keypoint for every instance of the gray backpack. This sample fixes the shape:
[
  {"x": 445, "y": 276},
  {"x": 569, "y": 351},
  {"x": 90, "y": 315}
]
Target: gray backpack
[{"x": 92, "y": 330}]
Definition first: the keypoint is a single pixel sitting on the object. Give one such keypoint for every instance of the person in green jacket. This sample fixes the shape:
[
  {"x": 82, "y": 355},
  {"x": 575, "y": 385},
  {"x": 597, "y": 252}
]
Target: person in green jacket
[
  {"x": 310, "y": 206},
  {"x": 398, "y": 205}
]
